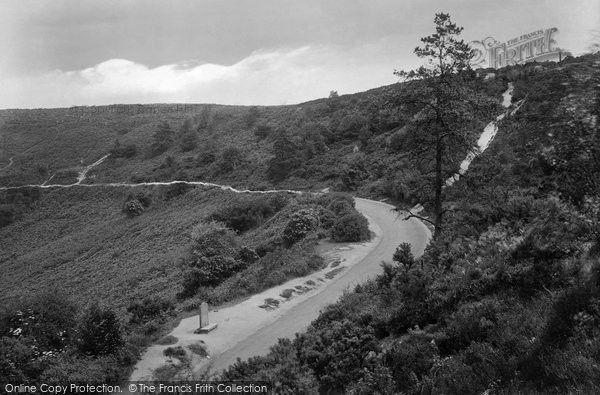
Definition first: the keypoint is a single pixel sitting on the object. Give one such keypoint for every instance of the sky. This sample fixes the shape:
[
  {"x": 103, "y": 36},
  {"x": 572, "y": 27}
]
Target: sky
[{"x": 61, "y": 53}]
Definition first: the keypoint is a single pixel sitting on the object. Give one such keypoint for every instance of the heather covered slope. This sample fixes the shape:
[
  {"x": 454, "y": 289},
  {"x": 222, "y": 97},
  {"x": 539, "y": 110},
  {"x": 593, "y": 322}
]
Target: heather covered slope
[
  {"x": 346, "y": 142},
  {"x": 507, "y": 291},
  {"x": 505, "y": 300},
  {"x": 137, "y": 257}
]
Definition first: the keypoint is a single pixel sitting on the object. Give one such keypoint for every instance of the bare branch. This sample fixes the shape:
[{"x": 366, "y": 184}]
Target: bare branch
[{"x": 412, "y": 215}]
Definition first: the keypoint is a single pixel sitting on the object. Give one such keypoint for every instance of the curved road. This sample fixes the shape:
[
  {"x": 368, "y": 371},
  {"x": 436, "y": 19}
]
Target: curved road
[{"x": 393, "y": 232}]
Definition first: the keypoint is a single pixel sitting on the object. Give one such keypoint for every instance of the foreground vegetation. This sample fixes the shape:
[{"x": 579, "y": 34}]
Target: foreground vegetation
[{"x": 104, "y": 272}]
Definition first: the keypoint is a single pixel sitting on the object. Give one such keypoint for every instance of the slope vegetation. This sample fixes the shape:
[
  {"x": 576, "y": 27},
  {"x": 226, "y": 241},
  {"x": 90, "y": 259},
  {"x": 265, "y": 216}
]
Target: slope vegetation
[{"x": 506, "y": 299}]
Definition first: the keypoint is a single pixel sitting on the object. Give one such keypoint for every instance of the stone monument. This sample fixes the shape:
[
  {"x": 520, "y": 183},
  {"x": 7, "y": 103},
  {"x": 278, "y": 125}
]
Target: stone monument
[{"x": 205, "y": 325}]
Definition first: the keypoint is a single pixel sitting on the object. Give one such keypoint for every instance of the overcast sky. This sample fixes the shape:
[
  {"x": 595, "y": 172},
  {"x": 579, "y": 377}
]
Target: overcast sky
[{"x": 58, "y": 53}]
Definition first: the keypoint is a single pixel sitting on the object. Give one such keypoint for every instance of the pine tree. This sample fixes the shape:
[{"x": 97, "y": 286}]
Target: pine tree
[{"x": 446, "y": 107}]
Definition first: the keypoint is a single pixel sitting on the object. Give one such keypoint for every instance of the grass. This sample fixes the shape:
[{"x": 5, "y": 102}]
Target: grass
[
  {"x": 175, "y": 352},
  {"x": 198, "y": 349},
  {"x": 331, "y": 274},
  {"x": 79, "y": 240},
  {"x": 270, "y": 303}
]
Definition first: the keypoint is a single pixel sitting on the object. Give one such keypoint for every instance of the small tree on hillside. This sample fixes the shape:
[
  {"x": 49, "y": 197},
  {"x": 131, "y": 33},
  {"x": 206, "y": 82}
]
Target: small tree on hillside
[
  {"x": 100, "y": 332},
  {"x": 213, "y": 257},
  {"x": 445, "y": 106},
  {"x": 162, "y": 139}
]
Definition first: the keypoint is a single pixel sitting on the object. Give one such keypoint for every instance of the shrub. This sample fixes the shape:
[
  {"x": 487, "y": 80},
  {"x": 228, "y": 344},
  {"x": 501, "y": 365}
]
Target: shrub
[
  {"x": 248, "y": 255},
  {"x": 198, "y": 349},
  {"x": 166, "y": 372},
  {"x": 213, "y": 256},
  {"x": 174, "y": 352},
  {"x": 133, "y": 208},
  {"x": 340, "y": 207},
  {"x": 47, "y": 320},
  {"x": 351, "y": 227},
  {"x": 231, "y": 158},
  {"x": 301, "y": 224},
  {"x": 148, "y": 309},
  {"x": 244, "y": 214},
  {"x": 326, "y": 218},
  {"x": 99, "y": 332},
  {"x": 404, "y": 256},
  {"x": 144, "y": 198}
]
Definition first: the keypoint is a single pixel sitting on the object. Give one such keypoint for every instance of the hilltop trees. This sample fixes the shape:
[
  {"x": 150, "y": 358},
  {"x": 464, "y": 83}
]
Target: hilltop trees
[{"x": 444, "y": 105}]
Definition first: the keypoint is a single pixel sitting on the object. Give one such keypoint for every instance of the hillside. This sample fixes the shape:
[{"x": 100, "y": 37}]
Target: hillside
[
  {"x": 345, "y": 142},
  {"x": 505, "y": 300},
  {"x": 505, "y": 297}
]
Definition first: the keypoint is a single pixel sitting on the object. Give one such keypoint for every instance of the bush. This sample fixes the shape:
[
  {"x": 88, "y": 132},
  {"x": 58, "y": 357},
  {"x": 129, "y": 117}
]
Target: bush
[
  {"x": 351, "y": 227},
  {"x": 148, "y": 309},
  {"x": 174, "y": 352},
  {"x": 231, "y": 158},
  {"x": 133, "y": 208},
  {"x": 47, "y": 320},
  {"x": 340, "y": 207},
  {"x": 326, "y": 218},
  {"x": 404, "y": 256},
  {"x": 245, "y": 214},
  {"x": 213, "y": 256},
  {"x": 99, "y": 332},
  {"x": 248, "y": 255},
  {"x": 300, "y": 225},
  {"x": 144, "y": 198},
  {"x": 198, "y": 349}
]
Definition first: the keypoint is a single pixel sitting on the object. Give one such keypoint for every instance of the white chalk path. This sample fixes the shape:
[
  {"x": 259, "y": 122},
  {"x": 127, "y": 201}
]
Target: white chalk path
[
  {"x": 82, "y": 175},
  {"x": 489, "y": 132}
]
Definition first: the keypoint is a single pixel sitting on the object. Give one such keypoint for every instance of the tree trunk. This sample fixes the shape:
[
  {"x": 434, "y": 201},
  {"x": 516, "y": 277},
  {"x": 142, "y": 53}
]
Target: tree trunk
[{"x": 439, "y": 148}]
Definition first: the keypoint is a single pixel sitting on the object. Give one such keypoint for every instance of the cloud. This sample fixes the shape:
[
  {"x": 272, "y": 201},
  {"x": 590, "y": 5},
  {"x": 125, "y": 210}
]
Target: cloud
[{"x": 280, "y": 76}]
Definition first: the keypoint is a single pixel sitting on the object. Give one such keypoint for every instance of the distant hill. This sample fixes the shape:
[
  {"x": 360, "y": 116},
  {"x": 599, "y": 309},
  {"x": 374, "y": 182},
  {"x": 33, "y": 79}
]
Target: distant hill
[{"x": 349, "y": 142}]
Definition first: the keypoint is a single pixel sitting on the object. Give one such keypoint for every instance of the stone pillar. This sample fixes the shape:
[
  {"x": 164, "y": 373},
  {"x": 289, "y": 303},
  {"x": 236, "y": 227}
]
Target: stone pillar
[
  {"x": 205, "y": 325},
  {"x": 204, "y": 315}
]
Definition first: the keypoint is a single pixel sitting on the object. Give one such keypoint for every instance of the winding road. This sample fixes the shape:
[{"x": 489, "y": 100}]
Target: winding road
[
  {"x": 246, "y": 330},
  {"x": 393, "y": 231}
]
